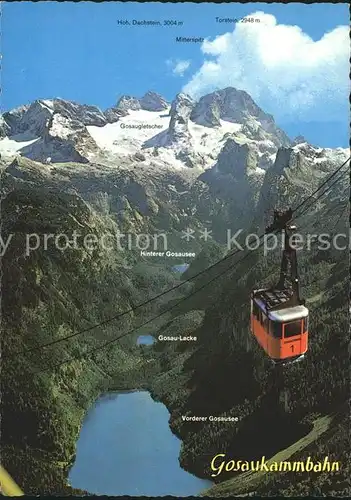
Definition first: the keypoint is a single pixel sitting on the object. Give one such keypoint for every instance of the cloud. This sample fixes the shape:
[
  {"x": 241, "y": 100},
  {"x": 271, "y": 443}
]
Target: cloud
[
  {"x": 281, "y": 67},
  {"x": 178, "y": 67}
]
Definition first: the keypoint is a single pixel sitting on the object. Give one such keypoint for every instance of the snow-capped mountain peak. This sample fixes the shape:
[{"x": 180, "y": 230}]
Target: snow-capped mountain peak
[
  {"x": 127, "y": 102},
  {"x": 151, "y": 101},
  {"x": 181, "y": 135},
  {"x": 235, "y": 106}
]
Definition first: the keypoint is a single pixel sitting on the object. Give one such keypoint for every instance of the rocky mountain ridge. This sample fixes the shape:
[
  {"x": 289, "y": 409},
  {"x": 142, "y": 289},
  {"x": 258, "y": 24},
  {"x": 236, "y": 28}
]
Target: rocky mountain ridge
[
  {"x": 151, "y": 101},
  {"x": 191, "y": 132}
]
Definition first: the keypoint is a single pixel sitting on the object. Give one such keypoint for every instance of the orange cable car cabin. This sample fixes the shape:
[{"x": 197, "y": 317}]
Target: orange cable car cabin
[
  {"x": 279, "y": 318},
  {"x": 281, "y": 331}
]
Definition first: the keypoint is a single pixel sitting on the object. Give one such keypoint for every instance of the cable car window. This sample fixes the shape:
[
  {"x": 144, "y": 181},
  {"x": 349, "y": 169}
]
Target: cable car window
[
  {"x": 305, "y": 324},
  {"x": 292, "y": 329},
  {"x": 255, "y": 310},
  {"x": 265, "y": 322},
  {"x": 276, "y": 329}
]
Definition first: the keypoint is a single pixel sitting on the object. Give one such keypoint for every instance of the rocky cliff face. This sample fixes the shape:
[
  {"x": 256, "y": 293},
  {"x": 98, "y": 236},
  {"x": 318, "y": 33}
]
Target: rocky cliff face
[
  {"x": 114, "y": 113},
  {"x": 297, "y": 171},
  {"x": 127, "y": 102},
  {"x": 151, "y": 101},
  {"x": 180, "y": 114},
  {"x": 5, "y": 129},
  {"x": 63, "y": 139},
  {"x": 34, "y": 119},
  {"x": 235, "y": 106}
]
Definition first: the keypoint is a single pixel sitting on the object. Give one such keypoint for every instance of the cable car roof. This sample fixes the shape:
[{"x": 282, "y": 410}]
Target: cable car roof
[
  {"x": 288, "y": 314},
  {"x": 272, "y": 297}
]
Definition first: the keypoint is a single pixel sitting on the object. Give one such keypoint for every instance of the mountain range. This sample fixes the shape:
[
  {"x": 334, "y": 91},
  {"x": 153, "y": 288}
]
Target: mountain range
[
  {"x": 148, "y": 166},
  {"x": 171, "y": 165},
  {"x": 177, "y": 134}
]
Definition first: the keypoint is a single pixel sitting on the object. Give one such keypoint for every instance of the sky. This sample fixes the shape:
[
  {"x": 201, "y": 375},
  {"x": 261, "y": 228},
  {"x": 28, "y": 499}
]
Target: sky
[{"x": 293, "y": 61}]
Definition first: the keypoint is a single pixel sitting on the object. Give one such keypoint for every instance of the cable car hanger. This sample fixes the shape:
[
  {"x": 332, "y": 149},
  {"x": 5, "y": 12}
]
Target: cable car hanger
[{"x": 282, "y": 221}]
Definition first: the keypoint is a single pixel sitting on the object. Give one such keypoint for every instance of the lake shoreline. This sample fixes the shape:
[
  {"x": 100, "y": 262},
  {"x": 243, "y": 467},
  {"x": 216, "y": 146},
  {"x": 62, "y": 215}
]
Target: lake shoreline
[{"x": 157, "y": 442}]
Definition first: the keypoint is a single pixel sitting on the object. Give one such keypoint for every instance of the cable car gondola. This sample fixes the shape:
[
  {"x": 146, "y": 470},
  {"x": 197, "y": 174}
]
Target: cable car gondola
[{"x": 279, "y": 318}]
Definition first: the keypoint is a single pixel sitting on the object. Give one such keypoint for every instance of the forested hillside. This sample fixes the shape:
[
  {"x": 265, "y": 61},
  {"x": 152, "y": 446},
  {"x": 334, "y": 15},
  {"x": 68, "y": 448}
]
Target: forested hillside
[{"x": 50, "y": 294}]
